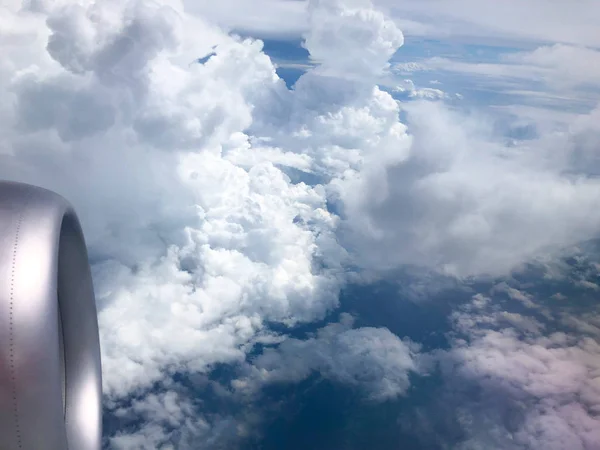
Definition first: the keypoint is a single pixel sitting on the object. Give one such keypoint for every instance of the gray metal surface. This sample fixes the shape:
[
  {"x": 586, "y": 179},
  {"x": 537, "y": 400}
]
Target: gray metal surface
[{"x": 50, "y": 372}]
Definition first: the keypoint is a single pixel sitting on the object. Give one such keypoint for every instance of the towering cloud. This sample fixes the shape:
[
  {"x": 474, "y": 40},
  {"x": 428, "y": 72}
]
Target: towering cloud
[{"x": 207, "y": 192}]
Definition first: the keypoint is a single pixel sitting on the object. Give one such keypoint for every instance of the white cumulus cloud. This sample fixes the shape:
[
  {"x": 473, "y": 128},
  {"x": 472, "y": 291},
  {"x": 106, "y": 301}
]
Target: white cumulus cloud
[
  {"x": 199, "y": 237},
  {"x": 373, "y": 360},
  {"x": 191, "y": 251}
]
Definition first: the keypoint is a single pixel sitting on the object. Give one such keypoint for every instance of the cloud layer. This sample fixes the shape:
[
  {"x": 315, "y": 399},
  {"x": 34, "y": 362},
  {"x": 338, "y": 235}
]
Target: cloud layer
[
  {"x": 527, "y": 379},
  {"x": 217, "y": 202}
]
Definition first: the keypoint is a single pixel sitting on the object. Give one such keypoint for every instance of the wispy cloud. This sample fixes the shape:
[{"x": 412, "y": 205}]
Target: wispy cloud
[{"x": 513, "y": 22}]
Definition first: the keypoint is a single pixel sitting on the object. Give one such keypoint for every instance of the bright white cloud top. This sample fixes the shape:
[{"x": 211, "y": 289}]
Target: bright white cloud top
[{"x": 198, "y": 235}]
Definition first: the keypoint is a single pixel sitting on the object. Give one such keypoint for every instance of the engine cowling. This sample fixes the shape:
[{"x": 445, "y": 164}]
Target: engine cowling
[{"x": 50, "y": 368}]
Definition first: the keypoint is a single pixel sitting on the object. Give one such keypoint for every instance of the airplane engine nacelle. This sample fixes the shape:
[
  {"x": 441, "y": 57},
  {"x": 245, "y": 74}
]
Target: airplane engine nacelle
[{"x": 50, "y": 371}]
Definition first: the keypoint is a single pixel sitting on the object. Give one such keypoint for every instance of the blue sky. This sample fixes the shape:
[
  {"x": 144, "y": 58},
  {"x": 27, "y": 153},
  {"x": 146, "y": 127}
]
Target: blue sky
[{"x": 326, "y": 224}]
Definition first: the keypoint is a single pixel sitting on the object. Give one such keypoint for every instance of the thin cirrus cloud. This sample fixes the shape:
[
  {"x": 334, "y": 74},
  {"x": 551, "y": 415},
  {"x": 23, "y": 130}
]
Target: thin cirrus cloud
[
  {"x": 553, "y": 71},
  {"x": 199, "y": 237},
  {"x": 523, "y": 24},
  {"x": 514, "y": 22}
]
